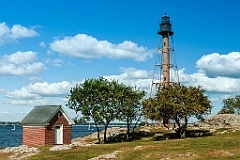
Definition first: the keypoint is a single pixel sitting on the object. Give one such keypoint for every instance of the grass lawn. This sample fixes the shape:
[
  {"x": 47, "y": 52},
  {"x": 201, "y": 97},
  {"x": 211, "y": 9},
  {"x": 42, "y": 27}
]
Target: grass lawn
[{"x": 216, "y": 147}]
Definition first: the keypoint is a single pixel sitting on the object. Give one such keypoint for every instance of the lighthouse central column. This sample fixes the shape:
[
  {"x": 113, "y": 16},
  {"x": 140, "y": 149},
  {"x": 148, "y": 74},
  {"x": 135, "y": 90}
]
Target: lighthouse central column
[{"x": 165, "y": 60}]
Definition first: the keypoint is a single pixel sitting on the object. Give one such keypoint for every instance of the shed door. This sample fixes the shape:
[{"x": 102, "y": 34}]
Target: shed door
[{"x": 59, "y": 134}]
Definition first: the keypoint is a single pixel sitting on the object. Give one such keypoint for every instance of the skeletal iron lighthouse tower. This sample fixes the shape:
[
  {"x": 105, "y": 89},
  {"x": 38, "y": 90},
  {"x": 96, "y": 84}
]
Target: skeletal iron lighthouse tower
[{"x": 165, "y": 67}]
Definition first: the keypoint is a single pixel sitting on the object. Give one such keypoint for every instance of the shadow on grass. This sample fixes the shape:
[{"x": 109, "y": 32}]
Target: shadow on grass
[
  {"x": 190, "y": 133},
  {"x": 155, "y": 136},
  {"x": 123, "y": 137},
  {"x": 199, "y": 133}
]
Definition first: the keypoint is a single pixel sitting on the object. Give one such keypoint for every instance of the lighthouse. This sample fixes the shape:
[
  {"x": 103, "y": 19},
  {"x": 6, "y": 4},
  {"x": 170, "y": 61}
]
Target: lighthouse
[{"x": 165, "y": 67}]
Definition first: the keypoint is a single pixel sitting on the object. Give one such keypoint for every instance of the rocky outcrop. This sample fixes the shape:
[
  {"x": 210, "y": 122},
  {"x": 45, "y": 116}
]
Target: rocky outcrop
[
  {"x": 70, "y": 146},
  {"x": 107, "y": 156},
  {"x": 20, "y": 152},
  {"x": 220, "y": 121}
]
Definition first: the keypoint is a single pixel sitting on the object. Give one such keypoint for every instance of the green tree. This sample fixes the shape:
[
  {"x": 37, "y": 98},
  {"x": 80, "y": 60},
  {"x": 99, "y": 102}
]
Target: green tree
[
  {"x": 130, "y": 106},
  {"x": 228, "y": 107},
  {"x": 231, "y": 105},
  {"x": 104, "y": 101},
  {"x": 95, "y": 98},
  {"x": 80, "y": 120},
  {"x": 178, "y": 103},
  {"x": 237, "y": 104}
]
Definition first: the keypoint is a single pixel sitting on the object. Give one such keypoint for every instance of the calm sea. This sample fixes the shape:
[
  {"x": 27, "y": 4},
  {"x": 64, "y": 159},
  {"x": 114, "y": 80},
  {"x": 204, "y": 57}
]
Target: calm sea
[{"x": 12, "y": 138}]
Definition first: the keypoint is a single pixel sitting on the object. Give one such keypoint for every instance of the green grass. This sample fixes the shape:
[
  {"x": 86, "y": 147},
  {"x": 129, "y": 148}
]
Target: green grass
[
  {"x": 216, "y": 147},
  {"x": 76, "y": 153}
]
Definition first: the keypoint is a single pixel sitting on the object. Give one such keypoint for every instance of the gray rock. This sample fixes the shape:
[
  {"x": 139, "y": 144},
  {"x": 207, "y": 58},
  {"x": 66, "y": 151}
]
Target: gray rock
[
  {"x": 60, "y": 148},
  {"x": 20, "y": 152},
  {"x": 220, "y": 121},
  {"x": 107, "y": 156}
]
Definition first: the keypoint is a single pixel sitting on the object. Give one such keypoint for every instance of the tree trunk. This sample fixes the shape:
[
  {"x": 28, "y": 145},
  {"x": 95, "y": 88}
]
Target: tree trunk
[
  {"x": 128, "y": 129},
  {"x": 98, "y": 135},
  {"x": 186, "y": 121},
  {"x": 98, "y": 131},
  {"x": 165, "y": 119},
  {"x": 181, "y": 130},
  {"x": 105, "y": 133},
  {"x": 135, "y": 125}
]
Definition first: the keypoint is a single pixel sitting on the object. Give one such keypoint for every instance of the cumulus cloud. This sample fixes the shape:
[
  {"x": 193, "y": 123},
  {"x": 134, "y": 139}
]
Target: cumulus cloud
[
  {"x": 133, "y": 77},
  {"x": 4, "y": 113},
  {"x": 8, "y": 35},
  {"x": 28, "y": 102},
  {"x": 88, "y": 47},
  {"x": 20, "y": 63},
  {"x": 2, "y": 90},
  {"x": 220, "y": 65},
  {"x": 20, "y": 57},
  {"x": 217, "y": 84},
  {"x": 51, "y": 90},
  {"x": 38, "y": 91},
  {"x": 35, "y": 79},
  {"x": 18, "y": 31},
  {"x": 23, "y": 93},
  {"x": 41, "y": 89},
  {"x": 42, "y": 44},
  {"x": 133, "y": 73},
  {"x": 58, "y": 62}
]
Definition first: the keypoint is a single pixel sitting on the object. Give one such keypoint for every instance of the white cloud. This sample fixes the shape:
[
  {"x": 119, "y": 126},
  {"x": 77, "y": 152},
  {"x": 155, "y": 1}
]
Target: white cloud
[
  {"x": 220, "y": 65},
  {"x": 8, "y": 35},
  {"x": 23, "y": 93},
  {"x": 215, "y": 100},
  {"x": 18, "y": 31},
  {"x": 2, "y": 90},
  {"x": 28, "y": 102},
  {"x": 218, "y": 86},
  {"x": 133, "y": 73},
  {"x": 221, "y": 85},
  {"x": 35, "y": 79},
  {"x": 49, "y": 52},
  {"x": 40, "y": 93},
  {"x": 51, "y": 90},
  {"x": 133, "y": 77},
  {"x": 183, "y": 77},
  {"x": 4, "y": 29},
  {"x": 24, "y": 69},
  {"x": 41, "y": 89},
  {"x": 215, "y": 85},
  {"x": 58, "y": 62},
  {"x": 4, "y": 113},
  {"x": 20, "y": 57},
  {"x": 87, "y": 47},
  {"x": 225, "y": 96},
  {"x": 20, "y": 63},
  {"x": 42, "y": 44}
]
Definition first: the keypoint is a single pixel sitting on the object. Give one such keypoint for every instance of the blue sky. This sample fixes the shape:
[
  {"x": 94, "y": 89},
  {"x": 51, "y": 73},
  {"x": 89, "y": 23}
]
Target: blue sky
[{"x": 46, "y": 47}]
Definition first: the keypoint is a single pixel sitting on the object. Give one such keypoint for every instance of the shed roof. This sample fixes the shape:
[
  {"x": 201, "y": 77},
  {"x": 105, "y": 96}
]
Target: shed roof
[{"x": 42, "y": 115}]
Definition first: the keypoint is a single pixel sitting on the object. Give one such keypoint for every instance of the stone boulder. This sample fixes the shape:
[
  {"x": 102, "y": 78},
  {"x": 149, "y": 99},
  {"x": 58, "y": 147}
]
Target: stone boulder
[
  {"x": 20, "y": 152},
  {"x": 220, "y": 120}
]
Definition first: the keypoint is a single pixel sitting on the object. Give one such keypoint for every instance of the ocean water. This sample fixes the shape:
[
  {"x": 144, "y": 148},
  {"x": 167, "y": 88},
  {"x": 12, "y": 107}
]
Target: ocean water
[{"x": 13, "y": 138}]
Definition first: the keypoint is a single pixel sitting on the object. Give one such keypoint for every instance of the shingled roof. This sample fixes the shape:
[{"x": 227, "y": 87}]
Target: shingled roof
[{"x": 42, "y": 115}]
